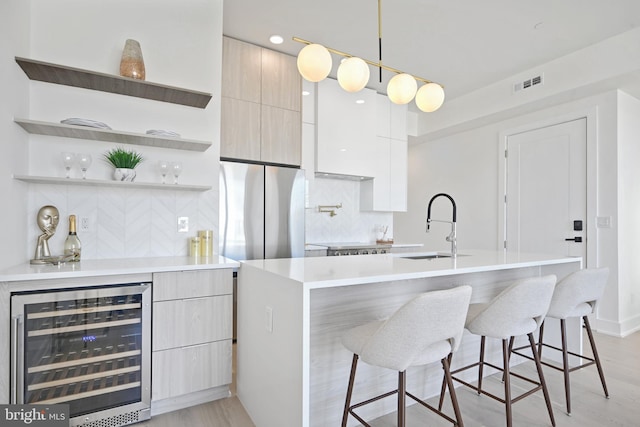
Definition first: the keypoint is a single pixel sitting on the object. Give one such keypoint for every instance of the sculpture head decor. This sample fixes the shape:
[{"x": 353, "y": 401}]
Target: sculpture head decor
[{"x": 48, "y": 218}]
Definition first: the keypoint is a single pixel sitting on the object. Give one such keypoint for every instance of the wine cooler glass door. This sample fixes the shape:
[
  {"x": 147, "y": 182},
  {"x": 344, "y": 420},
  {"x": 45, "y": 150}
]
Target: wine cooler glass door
[{"x": 88, "y": 348}]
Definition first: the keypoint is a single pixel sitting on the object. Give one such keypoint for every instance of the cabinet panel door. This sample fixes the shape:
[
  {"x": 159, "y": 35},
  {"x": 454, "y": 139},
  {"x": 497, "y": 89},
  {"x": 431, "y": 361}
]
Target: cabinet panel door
[
  {"x": 281, "y": 82},
  {"x": 241, "y": 70},
  {"x": 192, "y": 284},
  {"x": 240, "y": 129},
  {"x": 192, "y": 321},
  {"x": 281, "y": 136},
  {"x": 398, "y": 175},
  {"x": 186, "y": 370},
  {"x": 345, "y": 130}
]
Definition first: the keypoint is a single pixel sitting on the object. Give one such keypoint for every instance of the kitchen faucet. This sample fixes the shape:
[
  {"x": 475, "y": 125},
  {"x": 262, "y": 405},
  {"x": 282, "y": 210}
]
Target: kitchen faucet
[{"x": 452, "y": 236}]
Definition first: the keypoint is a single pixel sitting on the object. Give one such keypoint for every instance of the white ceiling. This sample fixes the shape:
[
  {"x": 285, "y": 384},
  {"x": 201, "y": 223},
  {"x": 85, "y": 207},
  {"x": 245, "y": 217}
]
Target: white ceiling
[{"x": 462, "y": 44}]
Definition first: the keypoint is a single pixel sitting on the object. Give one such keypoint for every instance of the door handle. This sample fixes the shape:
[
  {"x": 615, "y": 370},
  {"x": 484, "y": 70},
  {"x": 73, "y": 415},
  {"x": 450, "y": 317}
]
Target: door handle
[{"x": 576, "y": 239}]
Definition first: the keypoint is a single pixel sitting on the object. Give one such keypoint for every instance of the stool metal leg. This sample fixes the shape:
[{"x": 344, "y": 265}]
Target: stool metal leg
[
  {"x": 543, "y": 383},
  {"x": 347, "y": 402},
  {"x": 445, "y": 381},
  {"x": 540, "y": 333},
  {"x": 481, "y": 365},
  {"x": 507, "y": 381},
  {"x": 595, "y": 355},
  {"x": 401, "y": 397},
  {"x": 565, "y": 364},
  {"x": 452, "y": 391}
]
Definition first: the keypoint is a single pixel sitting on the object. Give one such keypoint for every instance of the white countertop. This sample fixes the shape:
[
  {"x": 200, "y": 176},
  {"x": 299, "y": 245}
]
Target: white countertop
[
  {"x": 108, "y": 267},
  {"x": 321, "y": 272}
]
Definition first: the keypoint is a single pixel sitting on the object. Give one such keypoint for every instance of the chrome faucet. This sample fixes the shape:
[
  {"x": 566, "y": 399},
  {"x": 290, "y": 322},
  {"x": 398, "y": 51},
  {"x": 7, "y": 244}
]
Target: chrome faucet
[{"x": 452, "y": 236}]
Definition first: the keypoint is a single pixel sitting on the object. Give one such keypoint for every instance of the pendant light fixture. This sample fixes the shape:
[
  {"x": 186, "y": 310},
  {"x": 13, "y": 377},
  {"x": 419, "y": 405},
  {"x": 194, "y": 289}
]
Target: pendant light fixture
[{"x": 314, "y": 64}]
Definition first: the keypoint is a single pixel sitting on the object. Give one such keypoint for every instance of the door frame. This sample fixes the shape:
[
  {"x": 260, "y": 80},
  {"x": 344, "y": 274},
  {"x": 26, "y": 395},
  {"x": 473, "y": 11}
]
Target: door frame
[{"x": 591, "y": 116}]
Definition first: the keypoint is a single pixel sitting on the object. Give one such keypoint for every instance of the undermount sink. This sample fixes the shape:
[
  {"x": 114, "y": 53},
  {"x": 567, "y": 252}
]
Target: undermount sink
[
  {"x": 428, "y": 256},
  {"x": 431, "y": 256}
]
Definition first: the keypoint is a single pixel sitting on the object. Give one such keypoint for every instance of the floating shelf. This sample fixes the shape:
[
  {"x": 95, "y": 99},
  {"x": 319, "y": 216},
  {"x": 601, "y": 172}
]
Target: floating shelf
[
  {"x": 97, "y": 134},
  {"x": 69, "y": 76},
  {"x": 101, "y": 183}
]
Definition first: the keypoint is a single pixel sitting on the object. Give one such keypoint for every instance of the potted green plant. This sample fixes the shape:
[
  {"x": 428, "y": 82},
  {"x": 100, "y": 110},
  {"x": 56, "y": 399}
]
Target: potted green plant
[{"x": 124, "y": 161}]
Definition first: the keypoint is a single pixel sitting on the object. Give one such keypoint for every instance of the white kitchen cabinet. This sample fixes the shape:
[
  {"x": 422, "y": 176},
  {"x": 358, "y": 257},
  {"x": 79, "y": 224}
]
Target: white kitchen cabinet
[
  {"x": 346, "y": 130},
  {"x": 388, "y": 189},
  {"x": 261, "y": 105},
  {"x": 192, "y": 332}
]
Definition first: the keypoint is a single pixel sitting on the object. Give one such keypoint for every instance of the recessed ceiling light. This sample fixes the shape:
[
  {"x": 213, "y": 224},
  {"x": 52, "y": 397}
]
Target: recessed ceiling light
[
  {"x": 306, "y": 93},
  {"x": 276, "y": 39},
  {"x": 360, "y": 101}
]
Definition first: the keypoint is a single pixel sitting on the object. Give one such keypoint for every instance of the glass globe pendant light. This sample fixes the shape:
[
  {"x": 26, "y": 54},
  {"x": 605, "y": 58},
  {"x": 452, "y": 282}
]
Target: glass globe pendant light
[
  {"x": 402, "y": 88},
  {"x": 353, "y": 74},
  {"x": 430, "y": 97},
  {"x": 314, "y": 62}
]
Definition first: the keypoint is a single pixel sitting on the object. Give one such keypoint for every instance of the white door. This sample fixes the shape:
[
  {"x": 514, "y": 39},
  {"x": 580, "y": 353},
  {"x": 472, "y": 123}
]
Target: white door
[{"x": 546, "y": 190}]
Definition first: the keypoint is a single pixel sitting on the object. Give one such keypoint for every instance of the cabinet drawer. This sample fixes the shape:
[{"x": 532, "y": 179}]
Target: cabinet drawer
[
  {"x": 186, "y": 370},
  {"x": 192, "y": 284},
  {"x": 191, "y": 321}
]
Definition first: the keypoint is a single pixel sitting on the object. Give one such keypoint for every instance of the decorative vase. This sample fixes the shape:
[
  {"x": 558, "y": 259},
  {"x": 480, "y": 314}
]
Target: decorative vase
[
  {"x": 124, "y": 174},
  {"x": 132, "y": 64}
]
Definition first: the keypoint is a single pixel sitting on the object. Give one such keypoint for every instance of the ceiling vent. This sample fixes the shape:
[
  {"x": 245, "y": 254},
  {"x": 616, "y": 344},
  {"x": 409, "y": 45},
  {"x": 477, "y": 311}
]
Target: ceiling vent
[{"x": 529, "y": 83}]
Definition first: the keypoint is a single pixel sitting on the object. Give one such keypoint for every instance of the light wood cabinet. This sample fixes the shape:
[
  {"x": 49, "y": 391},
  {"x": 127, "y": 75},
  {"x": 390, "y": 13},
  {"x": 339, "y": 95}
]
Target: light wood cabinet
[
  {"x": 281, "y": 82},
  {"x": 261, "y": 105},
  {"x": 192, "y": 331},
  {"x": 281, "y": 136}
]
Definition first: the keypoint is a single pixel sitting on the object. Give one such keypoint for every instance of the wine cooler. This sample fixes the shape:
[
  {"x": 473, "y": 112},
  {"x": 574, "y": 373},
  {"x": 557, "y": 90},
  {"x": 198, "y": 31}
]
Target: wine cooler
[{"x": 87, "y": 347}]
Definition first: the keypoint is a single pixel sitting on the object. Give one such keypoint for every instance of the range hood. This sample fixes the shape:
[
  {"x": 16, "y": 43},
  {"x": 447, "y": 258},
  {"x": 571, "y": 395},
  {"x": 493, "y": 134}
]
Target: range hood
[{"x": 343, "y": 177}]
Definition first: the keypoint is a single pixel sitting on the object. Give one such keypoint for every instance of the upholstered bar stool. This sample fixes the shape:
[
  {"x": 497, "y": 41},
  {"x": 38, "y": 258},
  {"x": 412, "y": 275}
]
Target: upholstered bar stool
[
  {"x": 517, "y": 310},
  {"x": 426, "y": 329},
  {"x": 575, "y": 296}
]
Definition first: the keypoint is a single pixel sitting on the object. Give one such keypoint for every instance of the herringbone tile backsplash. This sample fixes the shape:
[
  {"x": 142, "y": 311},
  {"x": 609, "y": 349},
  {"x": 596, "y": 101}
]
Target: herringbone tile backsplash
[
  {"x": 124, "y": 223},
  {"x": 132, "y": 223},
  {"x": 349, "y": 224}
]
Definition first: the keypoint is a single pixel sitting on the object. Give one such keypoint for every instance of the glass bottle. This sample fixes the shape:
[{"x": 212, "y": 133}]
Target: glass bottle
[{"x": 72, "y": 244}]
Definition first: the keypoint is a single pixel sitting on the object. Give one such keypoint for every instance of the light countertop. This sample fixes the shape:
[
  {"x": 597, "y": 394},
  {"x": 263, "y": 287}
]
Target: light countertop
[
  {"x": 321, "y": 272},
  {"x": 108, "y": 267}
]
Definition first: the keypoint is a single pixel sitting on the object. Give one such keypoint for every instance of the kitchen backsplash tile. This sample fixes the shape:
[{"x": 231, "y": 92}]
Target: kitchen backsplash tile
[
  {"x": 124, "y": 222},
  {"x": 349, "y": 224}
]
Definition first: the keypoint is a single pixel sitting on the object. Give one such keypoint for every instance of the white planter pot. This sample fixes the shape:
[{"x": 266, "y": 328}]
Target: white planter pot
[{"x": 123, "y": 174}]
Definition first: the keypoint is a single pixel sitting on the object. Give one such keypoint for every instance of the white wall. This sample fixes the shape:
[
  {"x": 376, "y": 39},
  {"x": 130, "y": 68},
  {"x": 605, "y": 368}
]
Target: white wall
[
  {"x": 181, "y": 45},
  {"x": 629, "y": 210},
  {"x": 14, "y": 38},
  {"x": 583, "y": 83}
]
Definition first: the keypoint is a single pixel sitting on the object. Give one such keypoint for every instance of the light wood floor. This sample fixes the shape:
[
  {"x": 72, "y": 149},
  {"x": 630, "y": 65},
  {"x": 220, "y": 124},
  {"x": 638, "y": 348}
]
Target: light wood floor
[{"x": 620, "y": 357}]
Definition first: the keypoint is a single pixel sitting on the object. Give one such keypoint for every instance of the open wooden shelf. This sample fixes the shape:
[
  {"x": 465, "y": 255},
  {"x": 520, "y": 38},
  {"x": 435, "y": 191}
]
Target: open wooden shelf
[
  {"x": 97, "y": 134},
  {"x": 101, "y": 183},
  {"x": 69, "y": 76}
]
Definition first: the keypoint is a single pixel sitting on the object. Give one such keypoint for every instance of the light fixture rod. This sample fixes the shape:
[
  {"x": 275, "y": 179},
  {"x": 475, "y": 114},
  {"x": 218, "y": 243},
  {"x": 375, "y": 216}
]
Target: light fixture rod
[
  {"x": 375, "y": 64},
  {"x": 380, "y": 39}
]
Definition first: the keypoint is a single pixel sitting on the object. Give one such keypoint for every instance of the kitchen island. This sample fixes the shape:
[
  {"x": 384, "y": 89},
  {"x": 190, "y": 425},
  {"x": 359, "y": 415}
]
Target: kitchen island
[{"x": 292, "y": 369}]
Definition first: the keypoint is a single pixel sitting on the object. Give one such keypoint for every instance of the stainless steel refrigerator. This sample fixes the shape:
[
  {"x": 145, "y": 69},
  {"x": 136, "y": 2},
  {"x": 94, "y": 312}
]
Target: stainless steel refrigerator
[{"x": 261, "y": 211}]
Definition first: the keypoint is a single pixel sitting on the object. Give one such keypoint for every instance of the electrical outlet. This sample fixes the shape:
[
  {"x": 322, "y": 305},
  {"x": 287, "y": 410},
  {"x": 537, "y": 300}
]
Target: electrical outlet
[
  {"x": 85, "y": 224},
  {"x": 183, "y": 224}
]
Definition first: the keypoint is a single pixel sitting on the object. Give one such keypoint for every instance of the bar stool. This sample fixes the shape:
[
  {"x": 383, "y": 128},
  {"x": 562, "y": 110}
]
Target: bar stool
[
  {"x": 575, "y": 296},
  {"x": 426, "y": 329},
  {"x": 517, "y": 310}
]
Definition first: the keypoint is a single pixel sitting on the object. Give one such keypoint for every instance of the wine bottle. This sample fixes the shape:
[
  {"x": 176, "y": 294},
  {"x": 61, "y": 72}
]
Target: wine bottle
[{"x": 72, "y": 245}]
